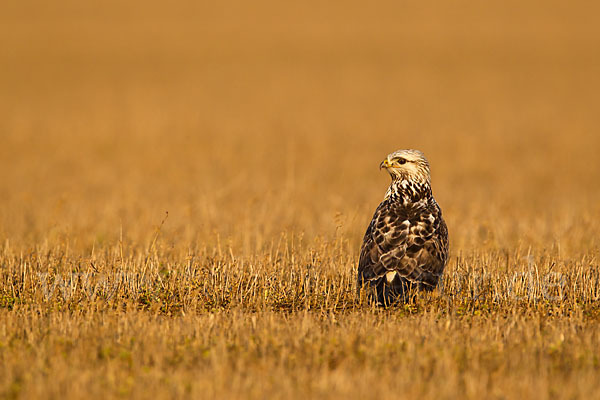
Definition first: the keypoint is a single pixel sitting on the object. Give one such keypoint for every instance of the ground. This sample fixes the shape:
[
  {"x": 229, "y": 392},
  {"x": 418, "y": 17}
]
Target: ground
[{"x": 184, "y": 192}]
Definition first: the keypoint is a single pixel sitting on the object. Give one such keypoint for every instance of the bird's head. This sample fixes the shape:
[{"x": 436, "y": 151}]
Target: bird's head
[{"x": 410, "y": 165}]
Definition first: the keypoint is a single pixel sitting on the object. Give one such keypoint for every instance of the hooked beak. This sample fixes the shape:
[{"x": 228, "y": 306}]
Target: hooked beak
[{"x": 385, "y": 164}]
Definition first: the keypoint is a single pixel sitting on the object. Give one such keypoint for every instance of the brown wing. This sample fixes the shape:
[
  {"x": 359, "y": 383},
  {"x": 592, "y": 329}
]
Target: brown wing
[
  {"x": 427, "y": 252},
  {"x": 384, "y": 243},
  {"x": 411, "y": 241}
]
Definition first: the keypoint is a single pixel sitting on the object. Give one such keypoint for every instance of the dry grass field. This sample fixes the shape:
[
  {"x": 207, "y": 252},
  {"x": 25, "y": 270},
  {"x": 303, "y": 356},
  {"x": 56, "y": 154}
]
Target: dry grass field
[{"x": 184, "y": 189}]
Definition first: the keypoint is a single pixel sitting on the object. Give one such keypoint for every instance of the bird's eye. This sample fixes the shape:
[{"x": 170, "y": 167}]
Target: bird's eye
[{"x": 401, "y": 161}]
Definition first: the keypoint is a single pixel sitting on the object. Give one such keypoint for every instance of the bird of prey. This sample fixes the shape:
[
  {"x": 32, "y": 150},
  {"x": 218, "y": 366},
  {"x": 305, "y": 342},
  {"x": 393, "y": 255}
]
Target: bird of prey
[{"x": 406, "y": 243}]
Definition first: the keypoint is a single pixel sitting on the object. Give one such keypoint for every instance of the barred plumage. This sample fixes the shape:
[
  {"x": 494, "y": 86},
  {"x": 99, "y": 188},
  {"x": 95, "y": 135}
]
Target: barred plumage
[{"x": 406, "y": 243}]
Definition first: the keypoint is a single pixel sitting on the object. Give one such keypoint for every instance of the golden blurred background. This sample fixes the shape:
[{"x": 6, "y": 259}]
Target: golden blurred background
[
  {"x": 244, "y": 120},
  {"x": 259, "y": 127}
]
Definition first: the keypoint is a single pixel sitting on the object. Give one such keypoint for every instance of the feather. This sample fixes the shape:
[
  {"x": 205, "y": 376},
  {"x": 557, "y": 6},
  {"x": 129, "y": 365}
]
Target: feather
[{"x": 406, "y": 243}]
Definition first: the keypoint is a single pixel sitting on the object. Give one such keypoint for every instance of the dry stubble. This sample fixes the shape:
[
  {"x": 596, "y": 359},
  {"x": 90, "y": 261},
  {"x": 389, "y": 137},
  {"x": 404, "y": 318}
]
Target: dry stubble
[{"x": 259, "y": 129}]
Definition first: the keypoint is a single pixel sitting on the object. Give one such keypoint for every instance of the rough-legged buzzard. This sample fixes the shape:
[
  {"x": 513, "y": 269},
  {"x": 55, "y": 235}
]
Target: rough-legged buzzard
[{"x": 406, "y": 243}]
